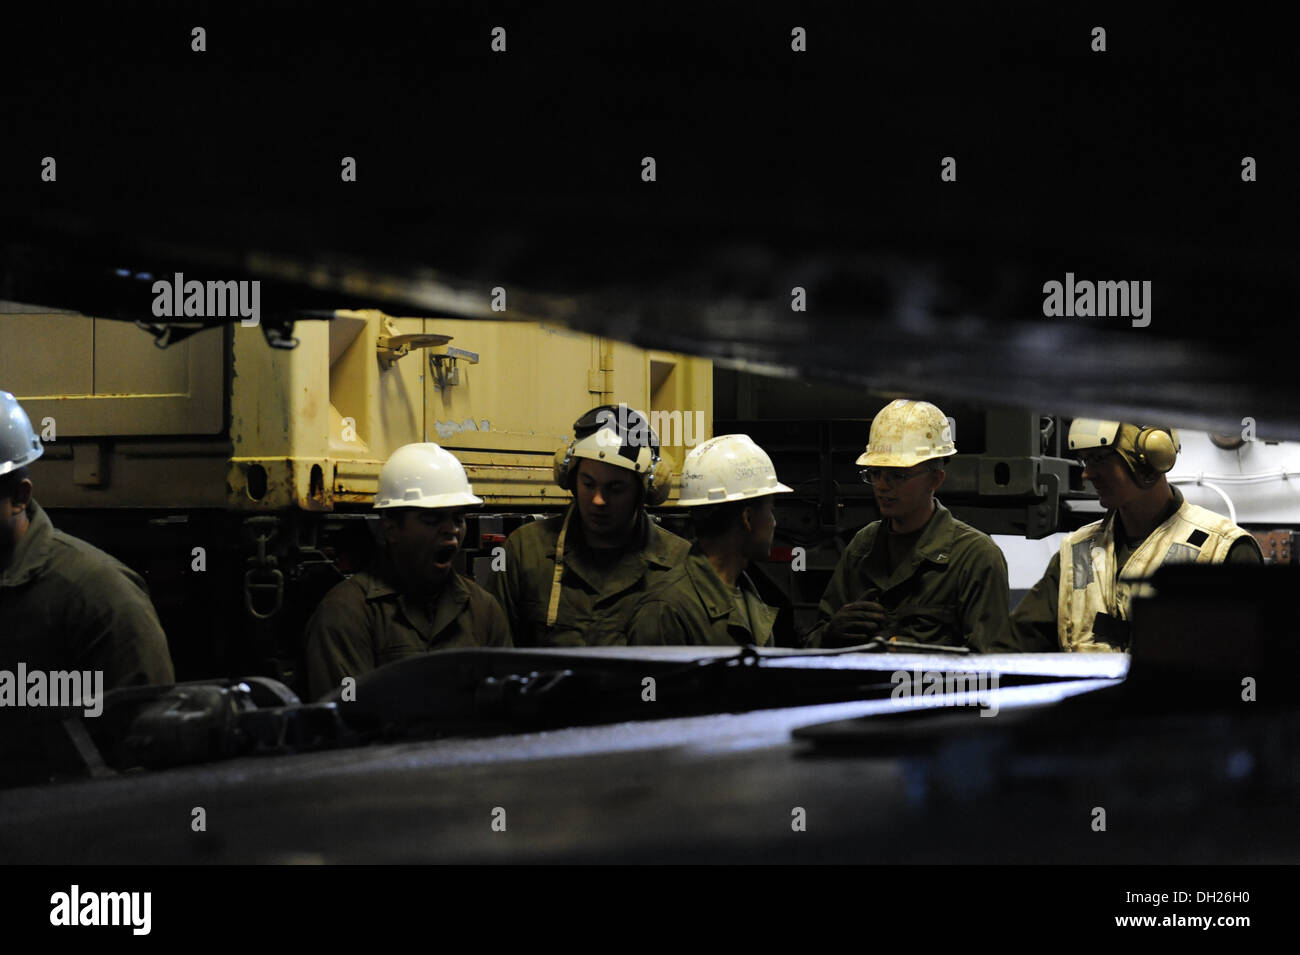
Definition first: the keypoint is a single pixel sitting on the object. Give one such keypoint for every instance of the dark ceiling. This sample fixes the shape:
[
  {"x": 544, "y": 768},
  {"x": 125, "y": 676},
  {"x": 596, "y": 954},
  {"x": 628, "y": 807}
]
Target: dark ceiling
[{"x": 775, "y": 169}]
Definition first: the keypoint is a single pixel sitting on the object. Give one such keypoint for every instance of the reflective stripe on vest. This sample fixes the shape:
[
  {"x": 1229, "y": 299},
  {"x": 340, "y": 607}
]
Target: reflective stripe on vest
[{"x": 1091, "y": 583}]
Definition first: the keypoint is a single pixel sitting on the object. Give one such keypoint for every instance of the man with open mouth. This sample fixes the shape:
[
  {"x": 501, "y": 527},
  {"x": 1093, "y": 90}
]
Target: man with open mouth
[
  {"x": 412, "y": 601},
  {"x": 918, "y": 573}
]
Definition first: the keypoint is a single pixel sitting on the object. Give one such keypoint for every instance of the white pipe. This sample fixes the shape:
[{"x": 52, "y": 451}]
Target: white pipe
[
  {"x": 1258, "y": 477},
  {"x": 1200, "y": 482}
]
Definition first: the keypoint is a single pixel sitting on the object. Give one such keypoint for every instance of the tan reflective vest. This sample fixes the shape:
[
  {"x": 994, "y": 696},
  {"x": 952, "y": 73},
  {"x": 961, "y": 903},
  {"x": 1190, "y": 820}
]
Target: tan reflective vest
[{"x": 1092, "y": 584}]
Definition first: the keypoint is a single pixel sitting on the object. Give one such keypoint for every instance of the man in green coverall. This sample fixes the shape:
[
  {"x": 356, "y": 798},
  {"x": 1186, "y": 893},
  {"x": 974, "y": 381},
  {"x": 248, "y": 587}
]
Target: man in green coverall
[
  {"x": 65, "y": 605},
  {"x": 66, "y": 608},
  {"x": 918, "y": 574},
  {"x": 728, "y": 481},
  {"x": 412, "y": 601},
  {"x": 574, "y": 580}
]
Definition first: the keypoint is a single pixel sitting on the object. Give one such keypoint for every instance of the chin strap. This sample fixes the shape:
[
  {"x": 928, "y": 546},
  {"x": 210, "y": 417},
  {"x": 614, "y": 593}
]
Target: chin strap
[{"x": 553, "y": 610}]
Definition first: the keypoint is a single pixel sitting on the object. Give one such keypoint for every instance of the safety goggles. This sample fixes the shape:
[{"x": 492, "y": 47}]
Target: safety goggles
[{"x": 891, "y": 476}]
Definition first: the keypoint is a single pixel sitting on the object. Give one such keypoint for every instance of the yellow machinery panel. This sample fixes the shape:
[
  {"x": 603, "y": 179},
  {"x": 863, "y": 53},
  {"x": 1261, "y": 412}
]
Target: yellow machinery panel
[
  {"x": 94, "y": 376},
  {"x": 310, "y": 427},
  {"x": 505, "y": 413},
  {"x": 125, "y": 424}
]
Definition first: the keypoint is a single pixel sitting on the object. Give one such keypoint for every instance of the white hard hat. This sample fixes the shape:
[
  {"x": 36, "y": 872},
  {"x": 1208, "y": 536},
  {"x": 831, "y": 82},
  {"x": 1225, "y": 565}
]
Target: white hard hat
[
  {"x": 626, "y": 442},
  {"x": 18, "y": 442},
  {"x": 1154, "y": 448},
  {"x": 423, "y": 475},
  {"x": 730, "y": 467},
  {"x": 1093, "y": 433},
  {"x": 905, "y": 433},
  {"x": 620, "y": 436}
]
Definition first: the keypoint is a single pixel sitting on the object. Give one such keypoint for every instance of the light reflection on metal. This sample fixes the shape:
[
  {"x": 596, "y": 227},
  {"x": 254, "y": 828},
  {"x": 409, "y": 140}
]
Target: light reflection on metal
[{"x": 422, "y": 288}]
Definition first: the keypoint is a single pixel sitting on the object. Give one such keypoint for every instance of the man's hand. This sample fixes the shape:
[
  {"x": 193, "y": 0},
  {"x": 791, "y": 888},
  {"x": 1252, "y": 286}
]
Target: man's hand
[{"x": 854, "y": 623}]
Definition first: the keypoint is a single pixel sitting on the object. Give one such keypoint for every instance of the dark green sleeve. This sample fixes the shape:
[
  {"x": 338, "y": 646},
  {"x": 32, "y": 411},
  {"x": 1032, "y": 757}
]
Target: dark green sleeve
[
  {"x": 1245, "y": 550},
  {"x": 495, "y": 629},
  {"x": 1033, "y": 622},
  {"x": 843, "y": 588},
  {"x": 339, "y": 642},
  {"x": 110, "y": 617},
  {"x": 985, "y": 599},
  {"x": 654, "y": 623},
  {"x": 505, "y": 587}
]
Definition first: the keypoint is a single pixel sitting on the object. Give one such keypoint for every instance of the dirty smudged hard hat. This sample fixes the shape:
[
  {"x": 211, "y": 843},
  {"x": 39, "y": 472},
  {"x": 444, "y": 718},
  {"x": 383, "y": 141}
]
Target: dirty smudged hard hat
[{"x": 905, "y": 433}]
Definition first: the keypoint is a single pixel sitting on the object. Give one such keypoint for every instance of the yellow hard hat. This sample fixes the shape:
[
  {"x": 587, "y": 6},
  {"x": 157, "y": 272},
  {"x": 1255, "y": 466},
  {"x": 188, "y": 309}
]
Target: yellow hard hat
[
  {"x": 1155, "y": 449},
  {"x": 905, "y": 433}
]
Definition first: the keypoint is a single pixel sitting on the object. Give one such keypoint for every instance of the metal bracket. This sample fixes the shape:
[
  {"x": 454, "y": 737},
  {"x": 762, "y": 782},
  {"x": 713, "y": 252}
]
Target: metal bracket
[
  {"x": 1043, "y": 519},
  {"x": 274, "y": 583},
  {"x": 169, "y": 333},
  {"x": 262, "y": 574},
  {"x": 279, "y": 333},
  {"x": 443, "y": 367},
  {"x": 391, "y": 346}
]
